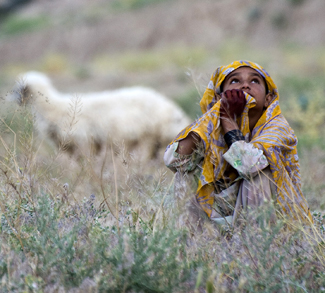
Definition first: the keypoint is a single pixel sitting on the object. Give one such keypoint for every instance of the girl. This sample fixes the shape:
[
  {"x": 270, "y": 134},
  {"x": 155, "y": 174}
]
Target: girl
[{"x": 241, "y": 152}]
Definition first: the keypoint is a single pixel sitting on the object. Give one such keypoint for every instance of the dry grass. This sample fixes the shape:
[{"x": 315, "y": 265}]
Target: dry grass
[{"x": 110, "y": 224}]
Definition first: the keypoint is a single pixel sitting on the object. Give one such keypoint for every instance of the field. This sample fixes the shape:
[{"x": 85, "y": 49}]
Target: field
[{"x": 110, "y": 223}]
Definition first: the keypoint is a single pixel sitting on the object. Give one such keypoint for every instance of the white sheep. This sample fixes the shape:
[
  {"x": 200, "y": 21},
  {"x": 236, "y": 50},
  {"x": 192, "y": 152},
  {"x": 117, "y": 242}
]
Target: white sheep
[{"x": 138, "y": 116}]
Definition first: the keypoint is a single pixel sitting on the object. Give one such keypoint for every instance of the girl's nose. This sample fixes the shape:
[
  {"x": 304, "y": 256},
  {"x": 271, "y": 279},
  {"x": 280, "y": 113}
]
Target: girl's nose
[{"x": 245, "y": 85}]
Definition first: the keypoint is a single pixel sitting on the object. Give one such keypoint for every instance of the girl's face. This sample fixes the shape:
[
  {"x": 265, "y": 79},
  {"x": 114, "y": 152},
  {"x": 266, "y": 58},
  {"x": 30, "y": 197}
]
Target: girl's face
[{"x": 250, "y": 81}]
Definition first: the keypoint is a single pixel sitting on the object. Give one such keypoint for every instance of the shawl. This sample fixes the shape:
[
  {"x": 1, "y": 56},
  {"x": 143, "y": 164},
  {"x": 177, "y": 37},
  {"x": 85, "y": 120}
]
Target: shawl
[{"x": 272, "y": 134}]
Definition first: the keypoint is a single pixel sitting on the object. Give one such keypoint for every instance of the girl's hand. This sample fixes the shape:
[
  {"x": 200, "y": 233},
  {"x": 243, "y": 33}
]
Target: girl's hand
[{"x": 232, "y": 104}]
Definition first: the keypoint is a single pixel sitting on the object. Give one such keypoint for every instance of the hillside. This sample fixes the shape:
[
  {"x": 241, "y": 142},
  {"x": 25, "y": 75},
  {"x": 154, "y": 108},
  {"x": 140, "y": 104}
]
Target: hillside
[
  {"x": 108, "y": 44},
  {"x": 111, "y": 222}
]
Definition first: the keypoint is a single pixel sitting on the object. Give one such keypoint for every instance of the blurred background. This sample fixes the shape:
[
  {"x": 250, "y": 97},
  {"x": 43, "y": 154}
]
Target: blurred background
[{"x": 174, "y": 46}]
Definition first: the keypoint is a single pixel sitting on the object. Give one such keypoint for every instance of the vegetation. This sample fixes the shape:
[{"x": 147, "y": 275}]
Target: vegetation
[
  {"x": 17, "y": 25},
  {"x": 124, "y": 234},
  {"x": 111, "y": 223},
  {"x": 132, "y": 4}
]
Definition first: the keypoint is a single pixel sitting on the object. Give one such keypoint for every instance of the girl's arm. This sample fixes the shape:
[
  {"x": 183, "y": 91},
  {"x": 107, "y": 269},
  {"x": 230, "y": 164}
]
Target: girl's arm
[{"x": 187, "y": 145}]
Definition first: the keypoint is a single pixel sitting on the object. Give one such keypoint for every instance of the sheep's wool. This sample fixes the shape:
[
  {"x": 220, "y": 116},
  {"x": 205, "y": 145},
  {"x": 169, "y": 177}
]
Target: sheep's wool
[{"x": 138, "y": 117}]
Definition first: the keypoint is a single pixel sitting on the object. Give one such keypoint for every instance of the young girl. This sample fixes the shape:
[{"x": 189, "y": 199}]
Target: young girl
[{"x": 241, "y": 152}]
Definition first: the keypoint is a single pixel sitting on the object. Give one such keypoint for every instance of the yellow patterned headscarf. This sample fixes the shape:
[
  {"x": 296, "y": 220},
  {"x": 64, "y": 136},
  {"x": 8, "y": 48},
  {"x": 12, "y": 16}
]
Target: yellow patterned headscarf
[{"x": 272, "y": 134}]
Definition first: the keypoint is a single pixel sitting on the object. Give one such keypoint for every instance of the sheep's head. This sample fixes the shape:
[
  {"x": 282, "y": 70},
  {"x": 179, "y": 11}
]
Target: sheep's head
[
  {"x": 21, "y": 93},
  {"x": 28, "y": 86}
]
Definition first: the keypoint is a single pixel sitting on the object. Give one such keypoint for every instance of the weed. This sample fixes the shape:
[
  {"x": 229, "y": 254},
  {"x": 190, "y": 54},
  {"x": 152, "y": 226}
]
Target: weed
[
  {"x": 147, "y": 61},
  {"x": 14, "y": 25},
  {"x": 279, "y": 20},
  {"x": 57, "y": 236},
  {"x": 296, "y": 2},
  {"x": 190, "y": 103},
  {"x": 132, "y": 4}
]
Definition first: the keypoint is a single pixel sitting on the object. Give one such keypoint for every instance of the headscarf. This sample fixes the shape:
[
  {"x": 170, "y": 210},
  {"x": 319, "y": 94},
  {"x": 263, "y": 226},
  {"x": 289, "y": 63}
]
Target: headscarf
[{"x": 272, "y": 134}]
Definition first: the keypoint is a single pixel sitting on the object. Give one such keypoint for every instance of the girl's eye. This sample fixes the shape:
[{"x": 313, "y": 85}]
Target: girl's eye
[
  {"x": 235, "y": 80},
  {"x": 255, "y": 80}
]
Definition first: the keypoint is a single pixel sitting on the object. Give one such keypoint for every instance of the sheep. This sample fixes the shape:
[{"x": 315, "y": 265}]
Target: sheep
[{"x": 136, "y": 116}]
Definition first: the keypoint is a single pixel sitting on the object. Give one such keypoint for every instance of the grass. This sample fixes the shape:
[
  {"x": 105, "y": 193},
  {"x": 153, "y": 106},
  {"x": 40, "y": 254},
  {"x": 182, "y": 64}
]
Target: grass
[
  {"x": 111, "y": 224},
  {"x": 190, "y": 103},
  {"x": 14, "y": 25},
  {"x": 133, "y": 4},
  {"x": 303, "y": 107},
  {"x": 152, "y": 60}
]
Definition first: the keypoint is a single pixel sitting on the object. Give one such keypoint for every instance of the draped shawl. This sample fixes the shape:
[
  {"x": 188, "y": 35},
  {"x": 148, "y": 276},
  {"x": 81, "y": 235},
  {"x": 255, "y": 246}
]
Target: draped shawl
[{"x": 272, "y": 134}]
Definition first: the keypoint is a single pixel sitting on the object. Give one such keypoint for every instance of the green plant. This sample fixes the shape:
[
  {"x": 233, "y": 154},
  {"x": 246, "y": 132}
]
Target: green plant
[
  {"x": 17, "y": 25},
  {"x": 279, "y": 20},
  {"x": 296, "y": 2},
  {"x": 123, "y": 237},
  {"x": 132, "y": 4},
  {"x": 151, "y": 60},
  {"x": 190, "y": 103}
]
